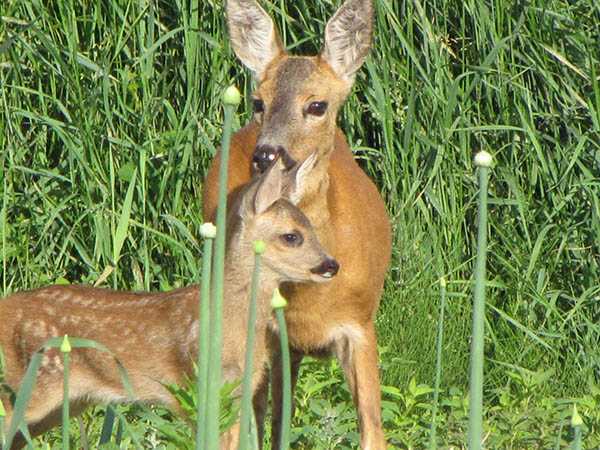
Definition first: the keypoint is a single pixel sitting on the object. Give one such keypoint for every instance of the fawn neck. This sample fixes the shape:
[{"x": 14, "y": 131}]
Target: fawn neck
[{"x": 238, "y": 280}]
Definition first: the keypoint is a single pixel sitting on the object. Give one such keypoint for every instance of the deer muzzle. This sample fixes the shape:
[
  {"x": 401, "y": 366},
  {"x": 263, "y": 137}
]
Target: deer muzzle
[
  {"x": 327, "y": 269},
  {"x": 265, "y": 154}
]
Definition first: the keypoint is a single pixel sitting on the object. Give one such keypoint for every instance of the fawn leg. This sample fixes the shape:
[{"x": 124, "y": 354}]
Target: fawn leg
[
  {"x": 259, "y": 403},
  {"x": 359, "y": 360},
  {"x": 277, "y": 390}
]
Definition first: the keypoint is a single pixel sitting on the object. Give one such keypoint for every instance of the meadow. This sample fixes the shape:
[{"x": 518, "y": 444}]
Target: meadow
[{"x": 111, "y": 111}]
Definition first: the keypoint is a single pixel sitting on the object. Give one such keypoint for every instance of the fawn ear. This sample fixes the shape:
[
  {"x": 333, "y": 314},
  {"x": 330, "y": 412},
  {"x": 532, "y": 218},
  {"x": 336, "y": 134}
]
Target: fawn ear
[
  {"x": 348, "y": 38},
  {"x": 253, "y": 35},
  {"x": 269, "y": 187},
  {"x": 301, "y": 175}
]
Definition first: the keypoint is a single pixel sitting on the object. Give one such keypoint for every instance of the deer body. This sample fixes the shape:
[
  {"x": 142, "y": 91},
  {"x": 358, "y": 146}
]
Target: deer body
[
  {"x": 155, "y": 335},
  {"x": 295, "y": 108}
]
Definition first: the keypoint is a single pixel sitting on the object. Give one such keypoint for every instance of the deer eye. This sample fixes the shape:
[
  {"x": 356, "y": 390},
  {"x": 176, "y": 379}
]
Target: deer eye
[
  {"x": 317, "y": 108},
  {"x": 258, "y": 105},
  {"x": 294, "y": 239}
]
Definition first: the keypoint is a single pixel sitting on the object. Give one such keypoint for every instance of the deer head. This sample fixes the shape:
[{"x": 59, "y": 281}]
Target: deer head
[
  {"x": 298, "y": 97},
  {"x": 268, "y": 212}
]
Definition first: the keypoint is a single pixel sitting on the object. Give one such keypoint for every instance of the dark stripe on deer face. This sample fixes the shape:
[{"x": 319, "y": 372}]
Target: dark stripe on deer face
[
  {"x": 286, "y": 107},
  {"x": 287, "y": 129}
]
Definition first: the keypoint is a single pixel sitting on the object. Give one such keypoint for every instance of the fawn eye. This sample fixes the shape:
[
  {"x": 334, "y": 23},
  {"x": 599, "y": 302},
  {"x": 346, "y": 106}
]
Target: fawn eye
[
  {"x": 258, "y": 105},
  {"x": 317, "y": 108},
  {"x": 294, "y": 239}
]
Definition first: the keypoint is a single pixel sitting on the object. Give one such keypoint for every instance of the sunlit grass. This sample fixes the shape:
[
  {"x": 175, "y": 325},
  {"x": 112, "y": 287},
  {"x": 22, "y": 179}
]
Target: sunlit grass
[{"x": 110, "y": 112}]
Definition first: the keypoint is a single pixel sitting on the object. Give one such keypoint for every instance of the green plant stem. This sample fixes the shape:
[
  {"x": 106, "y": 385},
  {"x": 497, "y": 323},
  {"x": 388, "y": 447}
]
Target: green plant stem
[
  {"x": 576, "y": 438},
  {"x": 477, "y": 339},
  {"x": 2, "y": 415},
  {"x": 203, "y": 344},
  {"x": 65, "y": 406},
  {"x": 246, "y": 407},
  {"x": 214, "y": 379},
  {"x": 286, "y": 407},
  {"x": 438, "y": 365}
]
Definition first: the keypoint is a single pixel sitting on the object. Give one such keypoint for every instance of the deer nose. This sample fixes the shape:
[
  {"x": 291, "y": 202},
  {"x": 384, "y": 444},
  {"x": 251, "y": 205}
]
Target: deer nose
[
  {"x": 265, "y": 154},
  {"x": 327, "y": 268}
]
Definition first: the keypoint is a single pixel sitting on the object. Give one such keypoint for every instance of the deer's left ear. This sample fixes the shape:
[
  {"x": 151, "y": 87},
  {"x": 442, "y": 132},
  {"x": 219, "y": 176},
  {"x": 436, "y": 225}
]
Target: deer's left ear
[
  {"x": 300, "y": 179},
  {"x": 348, "y": 38},
  {"x": 269, "y": 187}
]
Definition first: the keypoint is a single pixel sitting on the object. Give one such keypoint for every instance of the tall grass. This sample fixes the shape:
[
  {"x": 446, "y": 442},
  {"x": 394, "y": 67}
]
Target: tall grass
[{"x": 99, "y": 99}]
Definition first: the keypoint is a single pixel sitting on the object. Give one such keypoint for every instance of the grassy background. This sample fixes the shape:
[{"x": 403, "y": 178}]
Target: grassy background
[{"x": 102, "y": 99}]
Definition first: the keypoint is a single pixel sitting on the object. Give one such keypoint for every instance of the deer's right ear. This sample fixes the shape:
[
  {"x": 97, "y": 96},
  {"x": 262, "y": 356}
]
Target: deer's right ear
[{"x": 253, "y": 35}]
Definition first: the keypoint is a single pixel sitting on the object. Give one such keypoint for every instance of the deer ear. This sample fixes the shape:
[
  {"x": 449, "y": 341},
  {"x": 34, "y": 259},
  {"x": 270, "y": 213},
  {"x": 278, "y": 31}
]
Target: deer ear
[
  {"x": 269, "y": 187},
  {"x": 300, "y": 179},
  {"x": 348, "y": 38},
  {"x": 253, "y": 35}
]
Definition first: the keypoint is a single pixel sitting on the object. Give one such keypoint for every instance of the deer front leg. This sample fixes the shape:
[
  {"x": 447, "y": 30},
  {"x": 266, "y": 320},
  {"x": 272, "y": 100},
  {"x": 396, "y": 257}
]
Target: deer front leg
[
  {"x": 358, "y": 357},
  {"x": 259, "y": 404},
  {"x": 277, "y": 390}
]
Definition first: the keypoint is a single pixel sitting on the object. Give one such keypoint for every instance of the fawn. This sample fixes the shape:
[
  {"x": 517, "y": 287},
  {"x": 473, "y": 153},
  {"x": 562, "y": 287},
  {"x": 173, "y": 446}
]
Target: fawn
[
  {"x": 154, "y": 335},
  {"x": 295, "y": 107}
]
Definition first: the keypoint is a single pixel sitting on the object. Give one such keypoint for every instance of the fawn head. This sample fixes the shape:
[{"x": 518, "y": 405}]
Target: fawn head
[
  {"x": 267, "y": 212},
  {"x": 298, "y": 97}
]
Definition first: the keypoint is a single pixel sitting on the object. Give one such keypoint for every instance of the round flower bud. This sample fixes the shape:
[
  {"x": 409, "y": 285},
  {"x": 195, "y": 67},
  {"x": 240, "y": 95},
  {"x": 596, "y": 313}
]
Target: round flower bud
[
  {"x": 483, "y": 159},
  {"x": 259, "y": 247},
  {"x": 208, "y": 230},
  {"x": 65, "y": 346},
  {"x": 278, "y": 301},
  {"x": 576, "y": 420},
  {"x": 232, "y": 96}
]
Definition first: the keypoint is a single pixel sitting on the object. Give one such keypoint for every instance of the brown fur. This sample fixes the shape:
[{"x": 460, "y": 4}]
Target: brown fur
[
  {"x": 155, "y": 335},
  {"x": 342, "y": 203}
]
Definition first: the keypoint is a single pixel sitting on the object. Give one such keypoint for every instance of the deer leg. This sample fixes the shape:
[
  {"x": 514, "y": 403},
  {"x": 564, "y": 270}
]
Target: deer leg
[
  {"x": 259, "y": 403},
  {"x": 230, "y": 439},
  {"x": 358, "y": 358},
  {"x": 277, "y": 390},
  {"x": 51, "y": 419}
]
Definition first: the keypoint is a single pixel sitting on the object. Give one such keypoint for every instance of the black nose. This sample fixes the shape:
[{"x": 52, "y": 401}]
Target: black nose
[
  {"x": 327, "y": 268},
  {"x": 264, "y": 155}
]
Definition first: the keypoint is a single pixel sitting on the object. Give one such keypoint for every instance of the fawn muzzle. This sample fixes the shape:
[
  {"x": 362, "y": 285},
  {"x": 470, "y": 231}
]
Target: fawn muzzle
[{"x": 327, "y": 269}]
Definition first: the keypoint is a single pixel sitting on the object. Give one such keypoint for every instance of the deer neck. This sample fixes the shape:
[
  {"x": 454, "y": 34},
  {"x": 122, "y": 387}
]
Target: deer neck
[
  {"x": 237, "y": 287},
  {"x": 315, "y": 199}
]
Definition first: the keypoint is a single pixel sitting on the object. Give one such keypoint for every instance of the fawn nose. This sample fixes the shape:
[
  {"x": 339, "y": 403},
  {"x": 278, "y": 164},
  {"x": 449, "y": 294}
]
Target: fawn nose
[
  {"x": 265, "y": 154},
  {"x": 327, "y": 268}
]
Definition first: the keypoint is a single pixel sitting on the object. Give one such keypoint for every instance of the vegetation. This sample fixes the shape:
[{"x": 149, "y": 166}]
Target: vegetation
[{"x": 110, "y": 112}]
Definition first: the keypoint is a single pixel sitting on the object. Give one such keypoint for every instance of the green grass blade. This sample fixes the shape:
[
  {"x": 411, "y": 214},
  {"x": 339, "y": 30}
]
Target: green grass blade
[
  {"x": 107, "y": 425},
  {"x": 123, "y": 225},
  {"x": 438, "y": 366},
  {"x": 23, "y": 396},
  {"x": 246, "y": 408}
]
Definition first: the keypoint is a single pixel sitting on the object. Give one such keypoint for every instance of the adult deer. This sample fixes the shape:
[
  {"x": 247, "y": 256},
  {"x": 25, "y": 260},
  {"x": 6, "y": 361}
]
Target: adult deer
[
  {"x": 155, "y": 335},
  {"x": 295, "y": 106}
]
